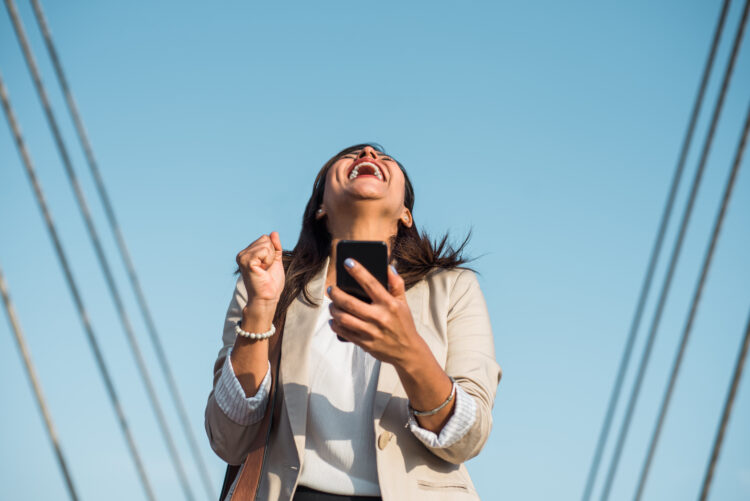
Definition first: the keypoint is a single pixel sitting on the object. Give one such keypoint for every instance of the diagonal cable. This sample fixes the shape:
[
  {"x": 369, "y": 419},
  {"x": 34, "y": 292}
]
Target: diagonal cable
[
  {"x": 31, "y": 373},
  {"x": 674, "y": 258},
  {"x": 104, "y": 264},
  {"x": 115, "y": 227},
  {"x": 91, "y": 336},
  {"x": 655, "y": 252},
  {"x": 694, "y": 306},
  {"x": 731, "y": 394}
]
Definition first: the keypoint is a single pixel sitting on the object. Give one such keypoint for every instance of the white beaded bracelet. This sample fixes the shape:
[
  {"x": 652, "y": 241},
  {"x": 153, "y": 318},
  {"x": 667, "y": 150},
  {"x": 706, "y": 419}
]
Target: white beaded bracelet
[{"x": 252, "y": 335}]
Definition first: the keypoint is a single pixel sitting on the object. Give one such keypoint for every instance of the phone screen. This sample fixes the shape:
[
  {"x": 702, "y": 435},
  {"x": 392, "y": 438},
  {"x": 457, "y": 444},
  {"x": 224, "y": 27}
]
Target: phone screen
[{"x": 373, "y": 255}]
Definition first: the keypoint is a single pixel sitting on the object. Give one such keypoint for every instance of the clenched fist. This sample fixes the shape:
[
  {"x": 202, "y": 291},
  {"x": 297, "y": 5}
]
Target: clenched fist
[{"x": 262, "y": 272}]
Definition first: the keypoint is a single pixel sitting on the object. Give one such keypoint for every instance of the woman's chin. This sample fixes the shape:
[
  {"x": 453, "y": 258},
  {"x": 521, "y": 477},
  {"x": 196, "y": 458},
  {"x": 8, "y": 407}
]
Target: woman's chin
[{"x": 366, "y": 192}]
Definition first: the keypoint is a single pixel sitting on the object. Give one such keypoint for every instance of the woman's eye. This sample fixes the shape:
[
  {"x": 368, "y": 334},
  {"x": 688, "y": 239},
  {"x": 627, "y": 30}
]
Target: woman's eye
[{"x": 351, "y": 155}]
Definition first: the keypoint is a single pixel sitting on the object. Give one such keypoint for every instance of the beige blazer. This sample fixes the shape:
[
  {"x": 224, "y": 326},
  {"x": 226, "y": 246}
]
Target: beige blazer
[{"x": 450, "y": 313}]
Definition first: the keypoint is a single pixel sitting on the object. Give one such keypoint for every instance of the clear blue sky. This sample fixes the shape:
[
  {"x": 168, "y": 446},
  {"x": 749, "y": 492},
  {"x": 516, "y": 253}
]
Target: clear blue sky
[{"x": 550, "y": 128}]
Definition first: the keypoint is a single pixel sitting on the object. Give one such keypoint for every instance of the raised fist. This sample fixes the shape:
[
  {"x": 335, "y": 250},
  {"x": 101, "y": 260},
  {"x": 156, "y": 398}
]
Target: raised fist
[{"x": 262, "y": 271}]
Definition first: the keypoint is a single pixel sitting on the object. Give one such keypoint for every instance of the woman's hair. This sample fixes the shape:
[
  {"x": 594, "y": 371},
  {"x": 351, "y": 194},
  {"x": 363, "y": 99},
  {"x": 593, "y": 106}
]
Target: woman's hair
[{"x": 415, "y": 254}]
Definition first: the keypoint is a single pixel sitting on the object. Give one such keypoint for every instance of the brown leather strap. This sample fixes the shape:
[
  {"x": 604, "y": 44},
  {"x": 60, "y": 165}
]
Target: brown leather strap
[{"x": 249, "y": 474}]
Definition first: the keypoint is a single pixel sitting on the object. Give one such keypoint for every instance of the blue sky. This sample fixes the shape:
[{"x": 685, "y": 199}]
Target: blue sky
[{"x": 551, "y": 129}]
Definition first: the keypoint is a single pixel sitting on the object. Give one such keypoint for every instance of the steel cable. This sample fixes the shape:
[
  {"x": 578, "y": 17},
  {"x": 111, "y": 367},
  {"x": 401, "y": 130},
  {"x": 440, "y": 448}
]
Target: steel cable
[
  {"x": 655, "y": 252},
  {"x": 731, "y": 394},
  {"x": 115, "y": 227},
  {"x": 91, "y": 336},
  {"x": 674, "y": 258},
  {"x": 694, "y": 306},
  {"x": 104, "y": 264},
  {"x": 37, "y": 387}
]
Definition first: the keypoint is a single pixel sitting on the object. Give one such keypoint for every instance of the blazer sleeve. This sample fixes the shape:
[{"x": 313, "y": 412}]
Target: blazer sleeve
[
  {"x": 471, "y": 362},
  {"x": 230, "y": 440}
]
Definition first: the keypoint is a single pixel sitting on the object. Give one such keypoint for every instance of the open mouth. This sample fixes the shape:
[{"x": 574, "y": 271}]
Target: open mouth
[{"x": 365, "y": 169}]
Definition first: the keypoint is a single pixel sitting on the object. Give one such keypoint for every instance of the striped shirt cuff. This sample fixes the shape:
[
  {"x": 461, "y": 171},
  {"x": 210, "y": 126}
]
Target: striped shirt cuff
[
  {"x": 464, "y": 415},
  {"x": 231, "y": 398}
]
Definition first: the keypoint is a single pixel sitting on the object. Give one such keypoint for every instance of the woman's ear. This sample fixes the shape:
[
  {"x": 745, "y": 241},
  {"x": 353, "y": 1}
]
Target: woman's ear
[
  {"x": 320, "y": 213},
  {"x": 406, "y": 218}
]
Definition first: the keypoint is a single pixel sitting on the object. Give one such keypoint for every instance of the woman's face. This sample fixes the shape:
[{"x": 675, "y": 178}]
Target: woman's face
[{"x": 368, "y": 177}]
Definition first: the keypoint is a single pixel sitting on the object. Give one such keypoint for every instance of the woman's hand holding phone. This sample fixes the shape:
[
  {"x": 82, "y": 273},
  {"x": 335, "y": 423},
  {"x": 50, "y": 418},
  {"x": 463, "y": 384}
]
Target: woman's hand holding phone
[
  {"x": 383, "y": 328},
  {"x": 386, "y": 330}
]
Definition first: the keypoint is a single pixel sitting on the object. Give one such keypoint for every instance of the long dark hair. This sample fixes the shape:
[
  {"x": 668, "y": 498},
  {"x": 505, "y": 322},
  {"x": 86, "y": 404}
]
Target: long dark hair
[{"x": 415, "y": 253}]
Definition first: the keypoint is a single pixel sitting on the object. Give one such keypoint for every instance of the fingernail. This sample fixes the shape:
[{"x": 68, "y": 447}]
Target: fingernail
[
  {"x": 393, "y": 269},
  {"x": 328, "y": 290},
  {"x": 349, "y": 262}
]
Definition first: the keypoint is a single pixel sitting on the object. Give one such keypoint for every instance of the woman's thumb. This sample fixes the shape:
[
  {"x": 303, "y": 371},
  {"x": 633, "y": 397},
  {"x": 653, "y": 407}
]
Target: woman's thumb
[
  {"x": 395, "y": 282},
  {"x": 276, "y": 241}
]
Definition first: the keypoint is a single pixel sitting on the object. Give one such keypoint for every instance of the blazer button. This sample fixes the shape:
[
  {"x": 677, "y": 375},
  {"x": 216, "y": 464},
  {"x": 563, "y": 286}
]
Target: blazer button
[{"x": 383, "y": 439}]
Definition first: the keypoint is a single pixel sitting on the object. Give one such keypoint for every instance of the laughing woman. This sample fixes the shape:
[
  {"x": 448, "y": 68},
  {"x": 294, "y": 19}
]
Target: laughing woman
[{"x": 391, "y": 414}]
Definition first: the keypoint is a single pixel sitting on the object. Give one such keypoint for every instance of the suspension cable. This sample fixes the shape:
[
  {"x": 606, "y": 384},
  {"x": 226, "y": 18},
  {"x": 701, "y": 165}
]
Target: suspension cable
[
  {"x": 125, "y": 255},
  {"x": 674, "y": 258},
  {"x": 739, "y": 365},
  {"x": 104, "y": 264},
  {"x": 694, "y": 305},
  {"x": 655, "y": 252},
  {"x": 34, "y": 380},
  {"x": 91, "y": 336}
]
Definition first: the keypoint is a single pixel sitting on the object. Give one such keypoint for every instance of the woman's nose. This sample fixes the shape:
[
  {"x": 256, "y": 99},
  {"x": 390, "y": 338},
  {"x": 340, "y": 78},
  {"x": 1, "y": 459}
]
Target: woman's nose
[{"x": 368, "y": 151}]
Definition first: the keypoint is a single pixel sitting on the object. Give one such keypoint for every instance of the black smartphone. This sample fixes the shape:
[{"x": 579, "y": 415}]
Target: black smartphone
[{"x": 373, "y": 255}]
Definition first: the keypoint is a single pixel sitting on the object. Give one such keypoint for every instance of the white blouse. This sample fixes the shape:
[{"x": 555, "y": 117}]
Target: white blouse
[
  {"x": 339, "y": 455},
  {"x": 340, "y": 445}
]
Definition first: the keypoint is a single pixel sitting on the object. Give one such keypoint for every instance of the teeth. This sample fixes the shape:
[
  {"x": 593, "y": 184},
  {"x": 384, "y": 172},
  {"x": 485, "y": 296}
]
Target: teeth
[{"x": 355, "y": 172}]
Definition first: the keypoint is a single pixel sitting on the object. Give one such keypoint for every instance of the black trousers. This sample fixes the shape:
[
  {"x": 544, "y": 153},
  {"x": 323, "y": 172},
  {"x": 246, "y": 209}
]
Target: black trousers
[{"x": 306, "y": 494}]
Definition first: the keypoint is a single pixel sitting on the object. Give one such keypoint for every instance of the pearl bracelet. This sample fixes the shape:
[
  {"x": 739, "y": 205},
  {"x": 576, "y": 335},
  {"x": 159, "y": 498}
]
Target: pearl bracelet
[
  {"x": 252, "y": 335},
  {"x": 439, "y": 407}
]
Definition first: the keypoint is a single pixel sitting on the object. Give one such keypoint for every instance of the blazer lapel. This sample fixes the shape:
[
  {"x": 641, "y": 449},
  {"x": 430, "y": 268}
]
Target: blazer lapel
[
  {"x": 388, "y": 380},
  {"x": 298, "y": 330}
]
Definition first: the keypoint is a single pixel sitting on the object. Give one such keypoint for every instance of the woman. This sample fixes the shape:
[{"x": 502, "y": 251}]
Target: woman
[{"x": 393, "y": 412}]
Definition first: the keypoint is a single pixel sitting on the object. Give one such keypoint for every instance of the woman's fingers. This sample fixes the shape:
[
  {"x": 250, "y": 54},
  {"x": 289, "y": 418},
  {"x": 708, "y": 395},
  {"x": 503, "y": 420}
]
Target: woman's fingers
[
  {"x": 267, "y": 254},
  {"x": 262, "y": 253},
  {"x": 370, "y": 312},
  {"x": 352, "y": 305},
  {"x": 385, "y": 338},
  {"x": 351, "y": 322},
  {"x": 247, "y": 253},
  {"x": 345, "y": 334},
  {"x": 363, "y": 339},
  {"x": 369, "y": 283}
]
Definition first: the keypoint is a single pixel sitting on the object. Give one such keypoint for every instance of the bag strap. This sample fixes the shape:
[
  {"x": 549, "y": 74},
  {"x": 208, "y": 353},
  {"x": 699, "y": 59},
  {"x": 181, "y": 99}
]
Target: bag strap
[
  {"x": 250, "y": 471},
  {"x": 229, "y": 476}
]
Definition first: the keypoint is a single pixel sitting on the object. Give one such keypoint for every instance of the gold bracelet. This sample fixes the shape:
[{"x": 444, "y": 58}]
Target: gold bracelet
[{"x": 439, "y": 407}]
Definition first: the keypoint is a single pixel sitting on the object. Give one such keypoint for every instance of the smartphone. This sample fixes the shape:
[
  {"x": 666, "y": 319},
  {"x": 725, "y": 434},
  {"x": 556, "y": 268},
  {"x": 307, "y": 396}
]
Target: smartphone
[{"x": 373, "y": 255}]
